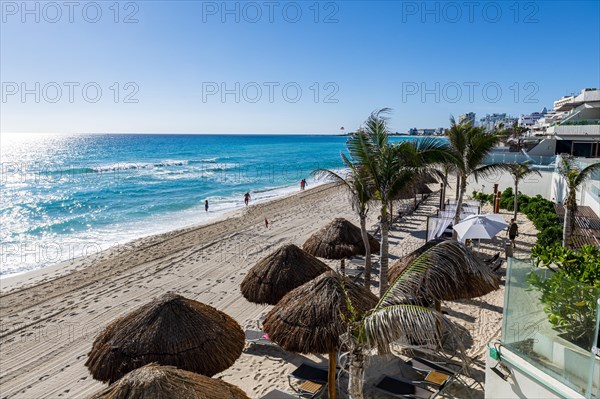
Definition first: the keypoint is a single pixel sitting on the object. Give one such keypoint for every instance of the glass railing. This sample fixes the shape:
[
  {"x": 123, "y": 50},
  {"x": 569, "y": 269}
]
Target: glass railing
[
  {"x": 546, "y": 161},
  {"x": 558, "y": 336}
]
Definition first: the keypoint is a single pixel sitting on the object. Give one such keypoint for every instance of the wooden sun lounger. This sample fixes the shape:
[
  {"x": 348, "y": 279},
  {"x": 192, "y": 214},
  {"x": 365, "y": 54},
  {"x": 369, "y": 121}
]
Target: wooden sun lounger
[{"x": 313, "y": 380}]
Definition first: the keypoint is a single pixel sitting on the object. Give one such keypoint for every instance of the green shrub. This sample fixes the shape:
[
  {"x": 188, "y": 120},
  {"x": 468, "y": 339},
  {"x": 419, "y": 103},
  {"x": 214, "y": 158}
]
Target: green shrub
[
  {"x": 481, "y": 197},
  {"x": 507, "y": 199},
  {"x": 570, "y": 294}
]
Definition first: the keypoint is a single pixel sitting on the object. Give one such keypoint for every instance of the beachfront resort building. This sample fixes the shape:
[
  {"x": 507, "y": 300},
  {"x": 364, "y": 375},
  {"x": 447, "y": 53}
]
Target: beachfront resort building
[
  {"x": 530, "y": 120},
  {"x": 468, "y": 117},
  {"x": 426, "y": 132},
  {"x": 497, "y": 121},
  {"x": 573, "y": 127}
]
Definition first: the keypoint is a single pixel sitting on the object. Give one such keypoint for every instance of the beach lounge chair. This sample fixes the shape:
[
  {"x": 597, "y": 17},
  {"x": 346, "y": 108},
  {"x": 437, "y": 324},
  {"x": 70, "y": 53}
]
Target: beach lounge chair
[
  {"x": 403, "y": 389},
  {"x": 309, "y": 381},
  {"x": 258, "y": 337},
  {"x": 451, "y": 368},
  {"x": 277, "y": 394},
  {"x": 497, "y": 265},
  {"x": 493, "y": 259}
]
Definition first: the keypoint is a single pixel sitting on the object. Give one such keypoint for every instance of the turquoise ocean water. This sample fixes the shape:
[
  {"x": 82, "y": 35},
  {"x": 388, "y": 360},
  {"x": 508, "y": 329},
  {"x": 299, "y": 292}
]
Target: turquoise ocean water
[{"x": 67, "y": 196}]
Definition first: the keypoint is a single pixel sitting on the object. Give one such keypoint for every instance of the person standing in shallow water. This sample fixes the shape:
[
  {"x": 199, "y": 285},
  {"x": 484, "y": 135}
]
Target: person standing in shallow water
[
  {"x": 513, "y": 232},
  {"x": 246, "y": 198},
  {"x": 206, "y": 205}
]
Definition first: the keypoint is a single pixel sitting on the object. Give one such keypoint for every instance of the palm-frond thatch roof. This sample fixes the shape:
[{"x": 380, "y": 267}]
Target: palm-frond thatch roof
[
  {"x": 401, "y": 264},
  {"x": 171, "y": 330},
  {"x": 168, "y": 382},
  {"x": 339, "y": 239},
  {"x": 309, "y": 318},
  {"x": 447, "y": 271},
  {"x": 423, "y": 189},
  {"x": 280, "y": 272},
  {"x": 411, "y": 190}
]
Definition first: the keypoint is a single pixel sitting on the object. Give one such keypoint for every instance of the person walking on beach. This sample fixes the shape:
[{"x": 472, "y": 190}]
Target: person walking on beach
[
  {"x": 266, "y": 223},
  {"x": 302, "y": 184},
  {"x": 513, "y": 232},
  {"x": 206, "y": 205},
  {"x": 246, "y": 198}
]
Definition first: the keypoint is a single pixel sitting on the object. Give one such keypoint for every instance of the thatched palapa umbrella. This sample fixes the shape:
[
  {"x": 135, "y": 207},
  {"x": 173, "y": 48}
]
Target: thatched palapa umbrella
[
  {"x": 443, "y": 271},
  {"x": 401, "y": 264},
  {"x": 451, "y": 272},
  {"x": 171, "y": 330},
  {"x": 309, "y": 318},
  {"x": 168, "y": 382},
  {"x": 338, "y": 240},
  {"x": 280, "y": 272}
]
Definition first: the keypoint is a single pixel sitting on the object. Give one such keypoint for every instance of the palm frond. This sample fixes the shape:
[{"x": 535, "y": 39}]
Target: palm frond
[
  {"x": 446, "y": 271},
  {"x": 487, "y": 170},
  {"x": 409, "y": 324},
  {"x": 586, "y": 173}
]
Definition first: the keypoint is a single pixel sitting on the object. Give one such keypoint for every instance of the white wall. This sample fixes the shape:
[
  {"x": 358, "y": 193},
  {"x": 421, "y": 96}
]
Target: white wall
[
  {"x": 531, "y": 385},
  {"x": 545, "y": 147},
  {"x": 590, "y": 198},
  {"x": 532, "y": 185}
]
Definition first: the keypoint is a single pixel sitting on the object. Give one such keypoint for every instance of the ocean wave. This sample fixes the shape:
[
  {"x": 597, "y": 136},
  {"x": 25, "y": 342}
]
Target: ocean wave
[
  {"x": 113, "y": 167},
  {"x": 206, "y": 160}
]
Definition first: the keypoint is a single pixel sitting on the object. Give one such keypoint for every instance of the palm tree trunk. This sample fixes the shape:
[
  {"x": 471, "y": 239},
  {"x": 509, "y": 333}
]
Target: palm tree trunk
[
  {"x": 516, "y": 203},
  {"x": 356, "y": 372},
  {"x": 457, "y": 185},
  {"x": 356, "y": 366},
  {"x": 331, "y": 375},
  {"x": 569, "y": 222},
  {"x": 383, "y": 269},
  {"x": 567, "y": 228},
  {"x": 463, "y": 188},
  {"x": 438, "y": 324},
  {"x": 444, "y": 187},
  {"x": 365, "y": 238}
]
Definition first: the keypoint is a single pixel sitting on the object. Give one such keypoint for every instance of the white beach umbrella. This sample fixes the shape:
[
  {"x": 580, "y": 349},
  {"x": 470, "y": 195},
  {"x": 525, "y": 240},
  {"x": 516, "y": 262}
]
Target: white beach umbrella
[{"x": 484, "y": 226}]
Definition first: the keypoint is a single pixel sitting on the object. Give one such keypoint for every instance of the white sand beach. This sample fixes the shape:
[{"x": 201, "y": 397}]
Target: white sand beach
[{"x": 49, "y": 317}]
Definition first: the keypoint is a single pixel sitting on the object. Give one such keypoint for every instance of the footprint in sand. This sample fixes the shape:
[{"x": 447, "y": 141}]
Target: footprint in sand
[{"x": 43, "y": 378}]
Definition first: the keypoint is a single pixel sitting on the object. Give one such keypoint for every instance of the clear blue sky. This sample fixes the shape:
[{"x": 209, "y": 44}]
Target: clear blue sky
[{"x": 179, "y": 55}]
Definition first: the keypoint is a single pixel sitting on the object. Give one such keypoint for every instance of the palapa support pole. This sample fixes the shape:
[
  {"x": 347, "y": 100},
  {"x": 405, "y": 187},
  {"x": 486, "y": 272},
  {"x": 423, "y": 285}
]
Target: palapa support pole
[
  {"x": 343, "y": 267},
  {"x": 427, "y": 230},
  {"x": 331, "y": 375}
]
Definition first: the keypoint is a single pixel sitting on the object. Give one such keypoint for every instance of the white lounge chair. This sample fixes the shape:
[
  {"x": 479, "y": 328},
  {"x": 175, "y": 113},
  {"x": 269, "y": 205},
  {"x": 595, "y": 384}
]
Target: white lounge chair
[{"x": 258, "y": 337}]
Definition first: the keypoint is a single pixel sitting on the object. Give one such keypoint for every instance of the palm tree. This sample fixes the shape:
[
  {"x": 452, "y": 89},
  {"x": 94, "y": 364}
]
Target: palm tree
[
  {"x": 447, "y": 271},
  {"x": 574, "y": 177},
  {"x": 518, "y": 173},
  {"x": 390, "y": 169},
  {"x": 470, "y": 146},
  {"x": 360, "y": 195}
]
